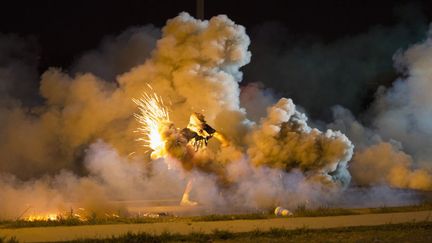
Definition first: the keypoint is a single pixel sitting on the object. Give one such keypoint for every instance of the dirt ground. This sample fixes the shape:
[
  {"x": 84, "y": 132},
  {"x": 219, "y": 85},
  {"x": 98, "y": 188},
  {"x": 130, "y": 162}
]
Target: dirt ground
[{"x": 59, "y": 233}]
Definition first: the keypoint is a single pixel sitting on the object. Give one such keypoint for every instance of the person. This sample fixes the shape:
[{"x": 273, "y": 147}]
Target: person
[{"x": 197, "y": 134}]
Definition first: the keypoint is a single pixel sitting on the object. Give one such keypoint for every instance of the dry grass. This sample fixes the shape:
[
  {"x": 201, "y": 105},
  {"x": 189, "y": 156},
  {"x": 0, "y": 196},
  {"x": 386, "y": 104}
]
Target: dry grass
[
  {"x": 300, "y": 211},
  {"x": 8, "y": 240},
  {"x": 408, "y": 232}
]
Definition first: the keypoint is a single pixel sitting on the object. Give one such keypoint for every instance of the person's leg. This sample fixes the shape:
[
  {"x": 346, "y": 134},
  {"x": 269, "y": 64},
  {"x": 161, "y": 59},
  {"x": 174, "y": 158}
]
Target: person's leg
[{"x": 185, "y": 201}]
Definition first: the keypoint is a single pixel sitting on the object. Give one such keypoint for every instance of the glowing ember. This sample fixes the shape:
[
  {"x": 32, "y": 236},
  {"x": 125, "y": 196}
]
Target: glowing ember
[{"x": 153, "y": 116}]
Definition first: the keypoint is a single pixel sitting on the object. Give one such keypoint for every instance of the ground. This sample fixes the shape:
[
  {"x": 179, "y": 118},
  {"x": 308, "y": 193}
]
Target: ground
[{"x": 236, "y": 230}]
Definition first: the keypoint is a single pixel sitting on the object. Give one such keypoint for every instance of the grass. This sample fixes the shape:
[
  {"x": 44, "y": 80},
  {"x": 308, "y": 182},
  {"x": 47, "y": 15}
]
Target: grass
[
  {"x": 407, "y": 232},
  {"x": 300, "y": 211},
  {"x": 74, "y": 221},
  {"x": 419, "y": 207},
  {"x": 224, "y": 217},
  {"x": 8, "y": 240}
]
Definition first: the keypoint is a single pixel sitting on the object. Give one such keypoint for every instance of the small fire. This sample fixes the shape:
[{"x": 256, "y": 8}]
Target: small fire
[
  {"x": 42, "y": 217},
  {"x": 153, "y": 116},
  {"x": 80, "y": 214}
]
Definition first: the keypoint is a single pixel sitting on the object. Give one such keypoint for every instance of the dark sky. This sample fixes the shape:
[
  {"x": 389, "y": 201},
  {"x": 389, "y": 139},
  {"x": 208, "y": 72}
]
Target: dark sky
[{"x": 64, "y": 29}]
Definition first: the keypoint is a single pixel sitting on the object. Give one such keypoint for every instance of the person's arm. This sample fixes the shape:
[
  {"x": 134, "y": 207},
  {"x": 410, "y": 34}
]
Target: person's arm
[{"x": 221, "y": 138}]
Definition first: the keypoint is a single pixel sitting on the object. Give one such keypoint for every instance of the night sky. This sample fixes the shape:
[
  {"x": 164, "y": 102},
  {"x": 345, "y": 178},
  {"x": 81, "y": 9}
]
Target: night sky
[{"x": 63, "y": 30}]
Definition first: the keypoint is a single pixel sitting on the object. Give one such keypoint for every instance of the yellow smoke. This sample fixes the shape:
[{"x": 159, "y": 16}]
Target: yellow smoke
[{"x": 385, "y": 163}]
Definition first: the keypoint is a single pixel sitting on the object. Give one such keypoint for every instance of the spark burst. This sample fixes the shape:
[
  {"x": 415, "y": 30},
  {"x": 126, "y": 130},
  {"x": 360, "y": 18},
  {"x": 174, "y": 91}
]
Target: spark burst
[{"x": 152, "y": 116}]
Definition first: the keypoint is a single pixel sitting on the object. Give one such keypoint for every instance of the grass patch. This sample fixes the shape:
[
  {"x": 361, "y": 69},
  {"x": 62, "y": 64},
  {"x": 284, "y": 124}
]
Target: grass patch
[
  {"x": 419, "y": 207},
  {"x": 300, "y": 211},
  {"x": 75, "y": 222},
  {"x": 71, "y": 221},
  {"x": 407, "y": 232},
  {"x": 8, "y": 240},
  {"x": 222, "y": 234},
  {"x": 224, "y": 217}
]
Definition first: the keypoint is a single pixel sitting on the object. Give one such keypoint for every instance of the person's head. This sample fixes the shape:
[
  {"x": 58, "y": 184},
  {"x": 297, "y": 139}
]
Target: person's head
[{"x": 196, "y": 120}]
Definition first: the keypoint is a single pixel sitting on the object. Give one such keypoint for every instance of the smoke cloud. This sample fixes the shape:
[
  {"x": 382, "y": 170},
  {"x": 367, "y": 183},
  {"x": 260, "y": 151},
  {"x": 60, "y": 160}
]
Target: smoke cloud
[
  {"x": 119, "y": 54},
  {"x": 285, "y": 141},
  {"x": 344, "y": 71},
  {"x": 82, "y": 138},
  {"x": 18, "y": 69}
]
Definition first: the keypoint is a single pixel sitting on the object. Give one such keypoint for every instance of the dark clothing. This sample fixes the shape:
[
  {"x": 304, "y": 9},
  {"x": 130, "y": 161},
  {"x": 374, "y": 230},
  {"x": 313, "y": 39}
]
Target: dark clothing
[
  {"x": 197, "y": 140},
  {"x": 209, "y": 129},
  {"x": 188, "y": 134}
]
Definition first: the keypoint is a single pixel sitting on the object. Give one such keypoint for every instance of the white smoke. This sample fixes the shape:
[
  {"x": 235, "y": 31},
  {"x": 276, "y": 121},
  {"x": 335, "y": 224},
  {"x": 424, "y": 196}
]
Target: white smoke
[
  {"x": 404, "y": 111},
  {"x": 379, "y": 162},
  {"x": 110, "y": 178}
]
